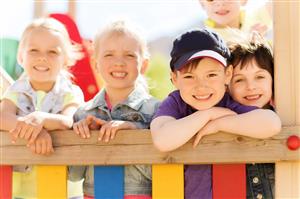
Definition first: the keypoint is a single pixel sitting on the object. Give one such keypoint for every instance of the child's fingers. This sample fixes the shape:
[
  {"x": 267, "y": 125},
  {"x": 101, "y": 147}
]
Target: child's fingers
[
  {"x": 113, "y": 133},
  {"x": 43, "y": 147},
  {"x": 107, "y": 134},
  {"x": 38, "y": 147},
  {"x": 34, "y": 135},
  {"x": 75, "y": 128},
  {"x": 81, "y": 131},
  {"x": 15, "y": 132},
  {"x": 102, "y": 132},
  {"x": 32, "y": 148},
  {"x": 197, "y": 140},
  {"x": 86, "y": 130}
]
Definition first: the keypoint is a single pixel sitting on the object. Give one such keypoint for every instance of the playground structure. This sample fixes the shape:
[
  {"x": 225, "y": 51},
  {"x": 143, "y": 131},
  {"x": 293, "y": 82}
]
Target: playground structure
[{"x": 215, "y": 149}]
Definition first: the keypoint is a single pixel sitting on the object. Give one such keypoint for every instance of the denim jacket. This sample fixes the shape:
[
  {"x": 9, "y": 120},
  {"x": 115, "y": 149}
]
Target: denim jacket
[
  {"x": 139, "y": 108},
  {"x": 260, "y": 181}
]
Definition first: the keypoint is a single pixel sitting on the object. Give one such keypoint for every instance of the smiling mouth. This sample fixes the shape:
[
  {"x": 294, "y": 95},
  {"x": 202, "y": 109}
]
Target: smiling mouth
[
  {"x": 252, "y": 97},
  {"x": 202, "y": 97},
  {"x": 118, "y": 74},
  {"x": 41, "y": 68},
  {"x": 222, "y": 12}
]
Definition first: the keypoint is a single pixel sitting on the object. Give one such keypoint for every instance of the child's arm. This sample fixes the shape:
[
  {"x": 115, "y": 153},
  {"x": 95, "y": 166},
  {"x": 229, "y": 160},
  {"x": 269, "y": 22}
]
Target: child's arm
[
  {"x": 259, "y": 123},
  {"x": 169, "y": 133},
  {"x": 8, "y": 113}
]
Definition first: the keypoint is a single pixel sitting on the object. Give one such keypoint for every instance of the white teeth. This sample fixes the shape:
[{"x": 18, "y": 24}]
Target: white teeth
[
  {"x": 118, "y": 74},
  {"x": 41, "y": 68},
  {"x": 202, "y": 97},
  {"x": 252, "y": 97}
]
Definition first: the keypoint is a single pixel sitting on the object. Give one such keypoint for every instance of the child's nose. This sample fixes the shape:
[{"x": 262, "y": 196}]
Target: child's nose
[
  {"x": 119, "y": 61},
  {"x": 251, "y": 85}
]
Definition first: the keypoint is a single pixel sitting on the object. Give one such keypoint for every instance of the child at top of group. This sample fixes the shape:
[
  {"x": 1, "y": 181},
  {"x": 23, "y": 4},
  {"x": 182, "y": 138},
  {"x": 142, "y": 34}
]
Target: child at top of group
[
  {"x": 200, "y": 73},
  {"x": 223, "y": 14},
  {"x": 252, "y": 85},
  {"x": 121, "y": 57},
  {"x": 43, "y": 98}
]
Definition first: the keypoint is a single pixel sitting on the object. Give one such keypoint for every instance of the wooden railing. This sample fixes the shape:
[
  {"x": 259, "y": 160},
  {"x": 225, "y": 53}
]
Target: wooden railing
[{"x": 135, "y": 147}]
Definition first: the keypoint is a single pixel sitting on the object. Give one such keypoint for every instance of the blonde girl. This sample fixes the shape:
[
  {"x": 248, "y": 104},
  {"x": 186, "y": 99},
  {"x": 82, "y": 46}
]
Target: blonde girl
[
  {"x": 121, "y": 59},
  {"x": 43, "y": 98}
]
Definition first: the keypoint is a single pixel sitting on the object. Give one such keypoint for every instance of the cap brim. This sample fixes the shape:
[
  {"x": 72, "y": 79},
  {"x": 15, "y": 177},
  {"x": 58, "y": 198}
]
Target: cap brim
[{"x": 188, "y": 57}]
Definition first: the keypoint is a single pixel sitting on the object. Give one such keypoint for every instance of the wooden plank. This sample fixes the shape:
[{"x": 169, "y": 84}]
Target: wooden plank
[
  {"x": 287, "y": 87},
  {"x": 109, "y": 182},
  {"x": 51, "y": 182},
  {"x": 287, "y": 177},
  {"x": 229, "y": 181},
  {"x": 134, "y": 147},
  {"x": 5, "y": 182},
  {"x": 168, "y": 181}
]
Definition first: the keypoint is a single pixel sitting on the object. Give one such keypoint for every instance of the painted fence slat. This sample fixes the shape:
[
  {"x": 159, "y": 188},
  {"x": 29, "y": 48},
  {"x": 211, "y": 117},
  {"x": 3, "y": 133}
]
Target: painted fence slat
[
  {"x": 168, "y": 181},
  {"x": 52, "y": 182},
  {"x": 109, "y": 182},
  {"x": 5, "y": 182},
  {"x": 229, "y": 181}
]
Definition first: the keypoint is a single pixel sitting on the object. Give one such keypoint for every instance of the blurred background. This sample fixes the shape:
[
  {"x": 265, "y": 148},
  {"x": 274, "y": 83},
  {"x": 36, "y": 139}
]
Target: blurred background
[{"x": 159, "y": 20}]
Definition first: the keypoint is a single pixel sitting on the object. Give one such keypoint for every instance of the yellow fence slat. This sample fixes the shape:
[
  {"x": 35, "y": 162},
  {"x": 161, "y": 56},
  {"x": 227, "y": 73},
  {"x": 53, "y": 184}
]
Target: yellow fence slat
[
  {"x": 52, "y": 182},
  {"x": 168, "y": 181}
]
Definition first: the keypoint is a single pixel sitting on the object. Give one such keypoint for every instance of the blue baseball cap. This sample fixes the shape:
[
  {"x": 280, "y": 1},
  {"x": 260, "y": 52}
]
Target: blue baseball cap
[{"x": 198, "y": 44}]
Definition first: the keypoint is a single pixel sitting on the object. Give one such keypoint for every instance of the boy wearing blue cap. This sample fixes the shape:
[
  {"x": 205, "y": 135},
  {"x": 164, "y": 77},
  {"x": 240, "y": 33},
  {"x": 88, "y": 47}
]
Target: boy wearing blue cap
[{"x": 200, "y": 74}]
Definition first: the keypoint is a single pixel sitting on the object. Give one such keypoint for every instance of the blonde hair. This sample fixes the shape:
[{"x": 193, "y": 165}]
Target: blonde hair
[
  {"x": 122, "y": 27},
  {"x": 72, "y": 50}
]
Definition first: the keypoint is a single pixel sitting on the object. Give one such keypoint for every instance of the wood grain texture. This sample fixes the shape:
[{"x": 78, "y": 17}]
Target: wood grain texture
[{"x": 135, "y": 147}]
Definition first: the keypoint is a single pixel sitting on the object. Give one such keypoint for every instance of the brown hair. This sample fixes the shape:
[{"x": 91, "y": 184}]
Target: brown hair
[{"x": 243, "y": 52}]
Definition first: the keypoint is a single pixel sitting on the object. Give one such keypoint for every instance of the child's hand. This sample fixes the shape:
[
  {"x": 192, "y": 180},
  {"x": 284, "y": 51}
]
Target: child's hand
[
  {"x": 82, "y": 127},
  {"x": 210, "y": 128},
  {"x": 28, "y": 127},
  {"x": 42, "y": 144},
  {"x": 217, "y": 112},
  {"x": 109, "y": 130}
]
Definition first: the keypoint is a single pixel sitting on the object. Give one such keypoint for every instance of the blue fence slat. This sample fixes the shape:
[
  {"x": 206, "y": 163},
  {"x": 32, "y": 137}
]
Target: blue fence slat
[{"x": 109, "y": 182}]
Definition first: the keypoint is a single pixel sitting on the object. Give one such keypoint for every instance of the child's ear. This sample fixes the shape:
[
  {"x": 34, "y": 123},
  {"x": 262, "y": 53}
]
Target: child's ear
[
  {"x": 144, "y": 66},
  {"x": 174, "y": 78},
  {"x": 20, "y": 58},
  {"x": 96, "y": 65},
  {"x": 228, "y": 74}
]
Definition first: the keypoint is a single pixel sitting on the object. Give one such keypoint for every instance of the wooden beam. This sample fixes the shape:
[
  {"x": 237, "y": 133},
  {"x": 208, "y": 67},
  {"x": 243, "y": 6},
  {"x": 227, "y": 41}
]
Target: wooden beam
[{"x": 135, "y": 147}]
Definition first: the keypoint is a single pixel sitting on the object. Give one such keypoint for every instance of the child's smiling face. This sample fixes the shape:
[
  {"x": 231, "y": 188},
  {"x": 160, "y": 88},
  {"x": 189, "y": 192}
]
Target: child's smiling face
[
  {"x": 202, "y": 87},
  {"x": 119, "y": 60},
  {"x": 251, "y": 85},
  {"x": 225, "y": 13},
  {"x": 42, "y": 55}
]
